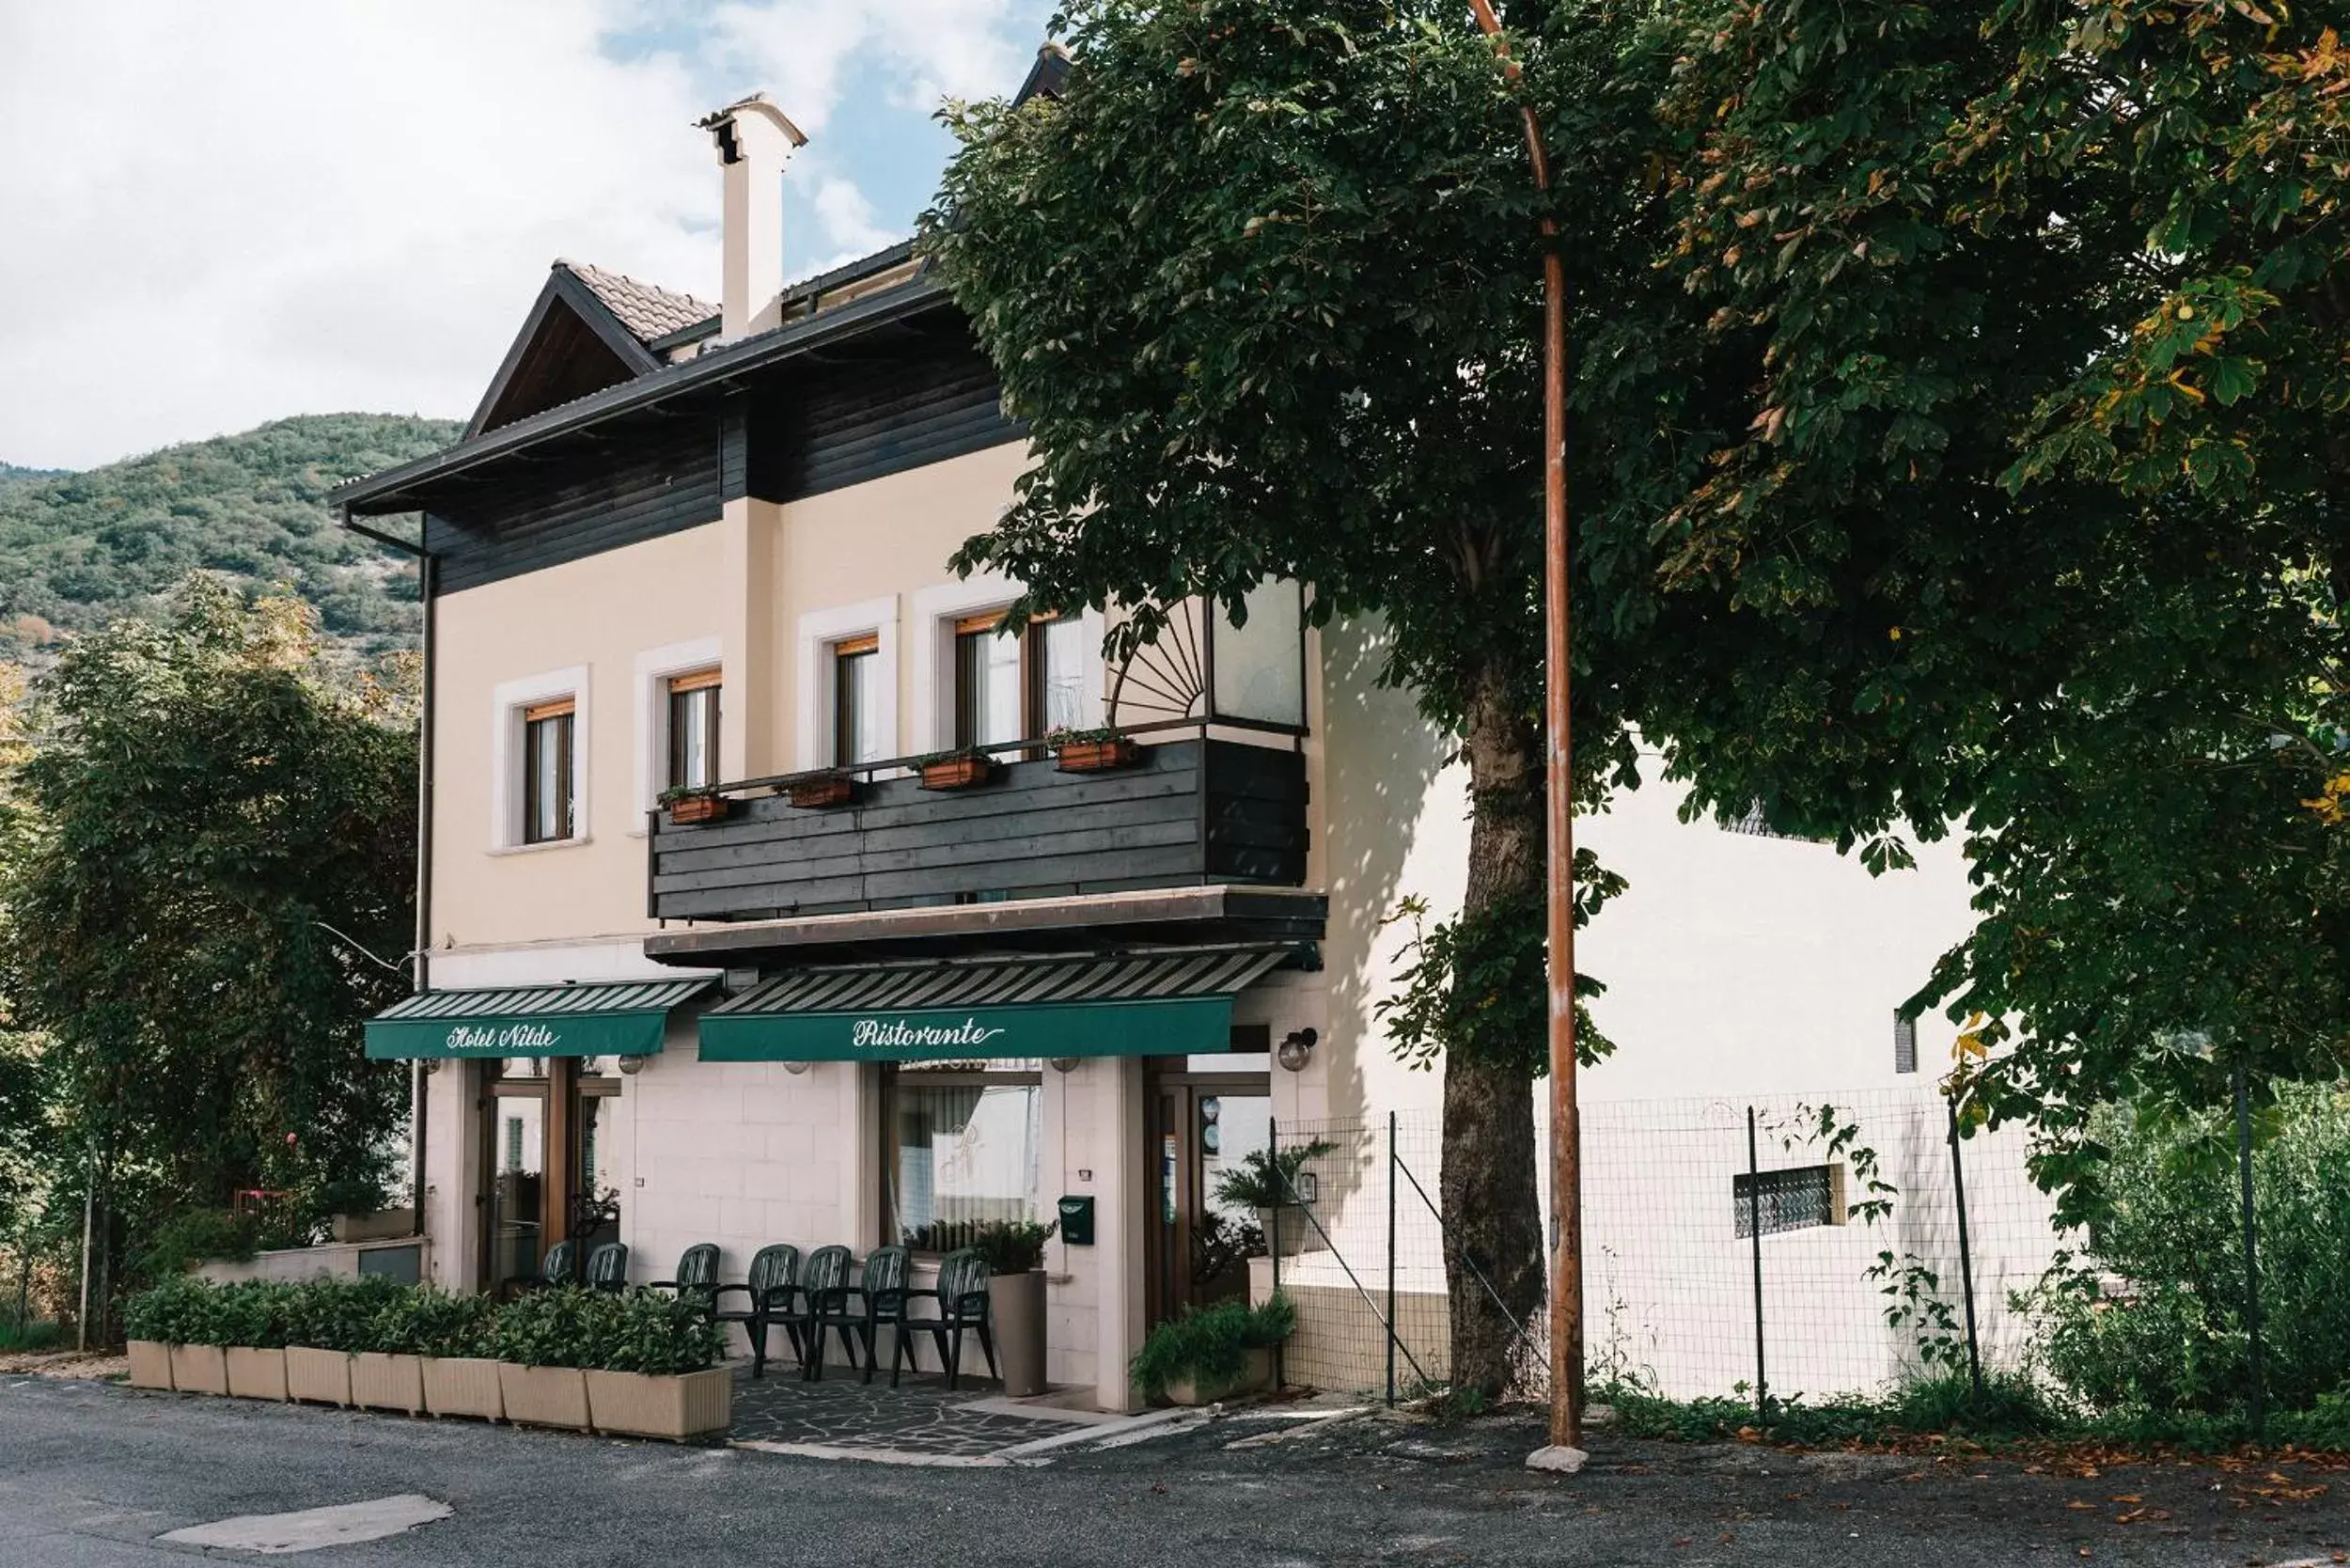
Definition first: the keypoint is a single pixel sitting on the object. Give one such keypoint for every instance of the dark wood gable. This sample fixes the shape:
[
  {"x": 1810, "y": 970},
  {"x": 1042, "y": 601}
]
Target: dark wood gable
[{"x": 570, "y": 346}]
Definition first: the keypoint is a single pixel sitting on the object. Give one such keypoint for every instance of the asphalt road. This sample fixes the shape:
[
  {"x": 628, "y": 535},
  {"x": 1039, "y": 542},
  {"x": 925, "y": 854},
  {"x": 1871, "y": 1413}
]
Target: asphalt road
[{"x": 91, "y": 1474}]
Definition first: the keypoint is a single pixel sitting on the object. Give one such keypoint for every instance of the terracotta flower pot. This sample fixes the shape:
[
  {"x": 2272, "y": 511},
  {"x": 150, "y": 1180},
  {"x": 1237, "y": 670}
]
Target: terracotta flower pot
[
  {"x": 151, "y": 1364},
  {"x": 686, "y": 811},
  {"x": 256, "y": 1374},
  {"x": 544, "y": 1396},
  {"x": 464, "y": 1386},
  {"x": 318, "y": 1377},
  {"x": 1119, "y": 752},
  {"x": 811, "y": 794},
  {"x": 1256, "y": 1377},
  {"x": 1018, "y": 1300},
  {"x": 384, "y": 1382},
  {"x": 958, "y": 773},
  {"x": 199, "y": 1369},
  {"x": 691, "y": 1404}
]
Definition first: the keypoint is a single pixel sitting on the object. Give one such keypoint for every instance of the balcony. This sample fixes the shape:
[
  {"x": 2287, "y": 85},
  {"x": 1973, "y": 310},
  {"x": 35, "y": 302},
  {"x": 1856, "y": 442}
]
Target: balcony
[{"x": 1194, "y": 809}]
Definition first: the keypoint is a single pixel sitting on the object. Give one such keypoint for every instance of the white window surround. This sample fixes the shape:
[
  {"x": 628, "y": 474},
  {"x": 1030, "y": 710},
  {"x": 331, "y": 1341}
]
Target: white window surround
[
  {"x": 935, "y": 611},
  {"x": 812, "y": 737},
  {"x": 508, "y": 700},
  {"x": 655, "y": 668}
]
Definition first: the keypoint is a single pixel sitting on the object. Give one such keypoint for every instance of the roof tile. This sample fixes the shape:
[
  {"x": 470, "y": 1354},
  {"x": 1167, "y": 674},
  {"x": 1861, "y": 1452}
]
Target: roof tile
[{"x": 648, "y": 311}]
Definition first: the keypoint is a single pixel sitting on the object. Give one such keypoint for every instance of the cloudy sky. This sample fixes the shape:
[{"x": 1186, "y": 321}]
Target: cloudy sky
[{"x": 216, "y": 214}]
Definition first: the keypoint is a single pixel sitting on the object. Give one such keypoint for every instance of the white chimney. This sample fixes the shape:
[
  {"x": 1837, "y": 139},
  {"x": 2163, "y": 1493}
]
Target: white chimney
[{"x": 754, "y": 141}]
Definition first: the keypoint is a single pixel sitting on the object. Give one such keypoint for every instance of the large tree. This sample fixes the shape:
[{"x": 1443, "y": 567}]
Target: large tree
[
  {"x": 1266, "y": 285},
  {"x": 210, "y": 796}
]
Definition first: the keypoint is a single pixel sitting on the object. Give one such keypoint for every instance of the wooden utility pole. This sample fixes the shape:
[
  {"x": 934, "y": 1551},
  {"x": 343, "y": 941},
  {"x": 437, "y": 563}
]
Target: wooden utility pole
[{"x": 1566, "y": 1181}]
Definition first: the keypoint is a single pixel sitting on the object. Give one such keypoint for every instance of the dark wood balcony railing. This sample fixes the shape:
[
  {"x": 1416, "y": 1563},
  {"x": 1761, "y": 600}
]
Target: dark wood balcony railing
[{"x": 1194, "y": 809}]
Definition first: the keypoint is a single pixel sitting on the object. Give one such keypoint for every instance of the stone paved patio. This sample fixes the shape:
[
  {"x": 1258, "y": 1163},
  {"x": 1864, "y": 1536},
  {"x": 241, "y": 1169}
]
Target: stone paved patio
[{"x": 920, "y": 1416}]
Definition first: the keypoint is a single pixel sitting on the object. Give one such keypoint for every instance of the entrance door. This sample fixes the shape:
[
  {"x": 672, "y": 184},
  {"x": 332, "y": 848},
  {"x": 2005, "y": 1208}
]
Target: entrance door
[
  {"x": 1201, "y": 1126},
  {"x": 546, "y": 1165}
]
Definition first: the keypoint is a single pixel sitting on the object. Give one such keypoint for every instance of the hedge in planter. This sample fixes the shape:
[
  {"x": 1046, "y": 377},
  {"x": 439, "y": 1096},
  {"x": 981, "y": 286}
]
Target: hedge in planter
[
  {"x": 1212, "y": 1352},
  {"x": 655, "y": 1370}
]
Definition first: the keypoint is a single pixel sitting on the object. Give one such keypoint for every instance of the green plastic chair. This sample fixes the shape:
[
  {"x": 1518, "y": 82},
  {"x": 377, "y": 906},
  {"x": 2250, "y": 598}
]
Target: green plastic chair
[
  {"x": 558, "y": 1266},
  {"x": 821, "y": 1303},
  {"x": 607, "y": 1267},
  {"x": 881, "y": 1292},
  {"x": 697, "y": 1270},
  {"x": 964, "y": 1307},
  {"x": 774, "y": 1278}
]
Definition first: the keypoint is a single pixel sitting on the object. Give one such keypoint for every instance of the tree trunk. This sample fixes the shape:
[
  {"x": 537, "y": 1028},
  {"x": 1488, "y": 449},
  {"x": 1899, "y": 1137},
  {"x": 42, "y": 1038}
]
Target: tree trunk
[{"x": 1491, "y": 1210}]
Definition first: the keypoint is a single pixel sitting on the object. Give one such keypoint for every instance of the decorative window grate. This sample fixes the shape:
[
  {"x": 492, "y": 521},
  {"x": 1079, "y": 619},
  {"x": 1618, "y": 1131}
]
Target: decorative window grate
[
  {"x": 1753, "y": 826},
  {"x": 1905, "y": 1043},
  {"x": 1796, "y": 1200}
]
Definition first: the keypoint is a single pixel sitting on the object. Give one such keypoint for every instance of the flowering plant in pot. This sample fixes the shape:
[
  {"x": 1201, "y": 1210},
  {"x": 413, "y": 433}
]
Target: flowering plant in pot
[
  {"x": 813, "y": 792},
  {"x": 1014, "y": 1253},
  {"x": 955, "y": 770},
  {"x": 688, "y": 805},
  {"x": 1212, "y": 1353},
  {"x": 1093, "y": 750}
]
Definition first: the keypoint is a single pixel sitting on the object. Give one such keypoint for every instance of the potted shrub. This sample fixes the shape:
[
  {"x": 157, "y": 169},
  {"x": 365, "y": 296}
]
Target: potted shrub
[
  {"x": 690, "y": 805},
  {"x": 1093, "y": 750},
  {"x": 815, "y": 791},
  {"x": 386, "y": 1375},
  {"x": 1212, "y": 1353},
  {"x": 542, "y": 1344},
  {"x": 252, "y": 1324},
  {"x": 1269, "y": 1183},
  {"x": 327, "y": 1321},
  {"x": 184, "y": 1315},
  {"x": 1014, "y": 1250},
  {"x": 173, "y": 1313},
  {"x": 955, "y": 770},
  {"x": 655, "y": 1369},
  {"x": 454, "y": 1340}
]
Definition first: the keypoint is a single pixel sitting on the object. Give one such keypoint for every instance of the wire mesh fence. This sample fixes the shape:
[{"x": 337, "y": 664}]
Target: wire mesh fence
[{"x": 1801, "y": 1245}]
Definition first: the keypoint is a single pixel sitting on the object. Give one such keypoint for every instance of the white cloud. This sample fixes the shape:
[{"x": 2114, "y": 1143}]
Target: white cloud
[
  {"x": 849, "y": 221},
  {"x": 224, "y": 214}
]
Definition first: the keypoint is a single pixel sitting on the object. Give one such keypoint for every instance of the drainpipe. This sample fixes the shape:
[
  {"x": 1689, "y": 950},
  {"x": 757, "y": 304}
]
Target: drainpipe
[{"x": 421, "y": 959}]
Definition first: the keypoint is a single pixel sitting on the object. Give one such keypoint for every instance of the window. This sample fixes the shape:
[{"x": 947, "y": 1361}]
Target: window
[
  {"x": 1014, "y": 688},
  {"x": 859, "y": 705},
  {"x": 694, "y": 730},
  {"x": 1905, "y": 1043},
  {"x": 961, "y": 1146},
  {"x": 513, "y": 1143},
  {"x": 547, "y": 730},
  {"x": 1795, "y": 1199}
]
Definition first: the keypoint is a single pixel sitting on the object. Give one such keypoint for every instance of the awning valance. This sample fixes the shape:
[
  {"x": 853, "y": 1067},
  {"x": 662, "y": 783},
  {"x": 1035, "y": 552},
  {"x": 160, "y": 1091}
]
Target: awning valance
[
  {"x": 1157, "y": 1003},
  {"x": 616, "y": 1019}
]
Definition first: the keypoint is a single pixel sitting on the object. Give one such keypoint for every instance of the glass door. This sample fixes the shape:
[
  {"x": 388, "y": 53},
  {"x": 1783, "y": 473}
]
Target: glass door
[
  {"x": 514, "y": 1194},
  {"x": 1202, "y": 1127}
]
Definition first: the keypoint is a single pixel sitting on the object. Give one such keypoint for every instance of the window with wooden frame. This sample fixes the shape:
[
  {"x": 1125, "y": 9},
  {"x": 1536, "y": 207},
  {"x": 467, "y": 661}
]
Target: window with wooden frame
[
  {"x": 693, "y": 729},
  {"x": 1017, "y": 688},
  {"x": 858, "y": 702},
  {"x": 547, "y": 771},
  {"x": 961, "y": 1150}
]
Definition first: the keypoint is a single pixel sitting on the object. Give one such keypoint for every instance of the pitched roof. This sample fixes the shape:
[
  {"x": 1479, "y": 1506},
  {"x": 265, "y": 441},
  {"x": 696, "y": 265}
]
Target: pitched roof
[{"x": 646, "y": 310}]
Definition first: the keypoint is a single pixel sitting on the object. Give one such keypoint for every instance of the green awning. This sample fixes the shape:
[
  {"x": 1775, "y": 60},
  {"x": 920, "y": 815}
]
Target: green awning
[
  {"x": 1169, "y": 1002},
  {"x": 619, "y": 1019}
]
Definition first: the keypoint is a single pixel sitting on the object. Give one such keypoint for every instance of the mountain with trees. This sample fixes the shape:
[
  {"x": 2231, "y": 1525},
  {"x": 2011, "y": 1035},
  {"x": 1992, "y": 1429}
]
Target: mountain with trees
[
  {"x": 18, "y": 471},
  {"x": 78, "y": 550}
]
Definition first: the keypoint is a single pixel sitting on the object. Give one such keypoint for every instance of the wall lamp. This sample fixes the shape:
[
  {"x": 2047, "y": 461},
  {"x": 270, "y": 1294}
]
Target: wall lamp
[
  {"x": 795, "y": 1068},
  {"x": 631, "y": 1066},
  {"x": 1296, "y": 1049}
]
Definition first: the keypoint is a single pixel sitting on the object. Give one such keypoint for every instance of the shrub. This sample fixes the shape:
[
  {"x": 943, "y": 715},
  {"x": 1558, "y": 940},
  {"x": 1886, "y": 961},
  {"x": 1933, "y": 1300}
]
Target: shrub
[
  {"x": 31, "y": 1335},
  {"x": 340, "y": 1314},
  {"x": 2150, "y": 1319},
  {"x": 652, "y": 1331},
  {"x": 427, "y": 1321},
  {"x": 181, "y": 1311},
  {"x": 1012, "y": 1246},
  {"x": 1210, "y": 1345},
  {"x": 195, "y": 1236},
  {"x": 257, "y": 1312}
]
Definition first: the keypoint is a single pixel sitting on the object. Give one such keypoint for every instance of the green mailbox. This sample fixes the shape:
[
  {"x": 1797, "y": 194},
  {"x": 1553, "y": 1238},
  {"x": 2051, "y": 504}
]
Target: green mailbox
[{"x": 1076, "y": 1220}]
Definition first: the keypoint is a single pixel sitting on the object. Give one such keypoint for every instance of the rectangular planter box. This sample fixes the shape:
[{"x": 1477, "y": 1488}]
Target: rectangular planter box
[
  {"x": 958, "y": 773},
  {"x": 693, "y": 1404},
  {"x": 814, "y": 794},
  {"x": 1097, "y": 755},
  {"x": 199, "y": 1369},
  {"x": 1257, "y": 1376},
  {"x": 464, "y": 1386},
  {"x": 383, "y": 1225},
  {"x": 544, "y": 1396},
  {"x": 321, "y": 1376},
  {"x": 686, "y": 811},
  {"x": 256, "y": 1374},
  {"x": 151, "y": 1364},
  {"x": 382, "y": 1382}
]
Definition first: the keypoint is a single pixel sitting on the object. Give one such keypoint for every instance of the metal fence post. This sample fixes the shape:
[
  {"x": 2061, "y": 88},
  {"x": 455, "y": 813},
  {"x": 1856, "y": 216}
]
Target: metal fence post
[
  {"x": 2258, "y": 1408},
  {"x": 1273, "y": 1239},
  {"x": 1392, "y": 1329},
  {"x": 1966, "y": 1257},
  {"x": 1754, "y": 1230}
]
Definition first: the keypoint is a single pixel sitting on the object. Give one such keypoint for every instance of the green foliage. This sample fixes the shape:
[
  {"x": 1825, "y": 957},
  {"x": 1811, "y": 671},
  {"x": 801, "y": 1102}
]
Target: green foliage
[
  {"x": 2010, "y": 1407},
  {"x": 1012, "y": 1246},
  {"x": 2148, "y": 1318},
  {"x": 77, "y": 550},
  {"x": 1263, "y": 1180},
  {"x": 211, "y": 794},
  {"x": 1478, "y": 987},
  {"x": 640, "y": 1331},
  {"x": 31, "y": 1336},
  {"x": 1209, "y": 1346},
  {"x": 195, "y": 1236}
]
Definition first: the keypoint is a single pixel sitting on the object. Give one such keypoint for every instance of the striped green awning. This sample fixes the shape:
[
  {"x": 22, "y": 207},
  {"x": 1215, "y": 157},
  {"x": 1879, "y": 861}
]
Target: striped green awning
[
  {"x": 617, "y": 1019},
  {"x": 1174, "y": 1002}
]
